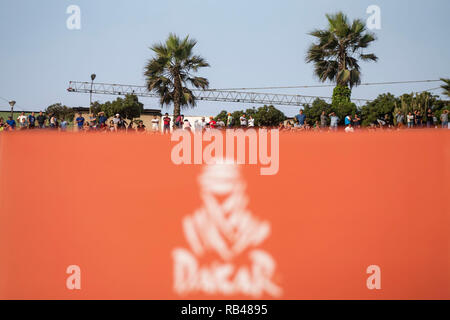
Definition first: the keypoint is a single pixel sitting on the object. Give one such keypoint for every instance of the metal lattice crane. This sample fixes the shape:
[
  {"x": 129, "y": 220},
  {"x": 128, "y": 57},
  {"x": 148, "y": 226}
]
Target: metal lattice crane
[{"x": 204, "y": 95}]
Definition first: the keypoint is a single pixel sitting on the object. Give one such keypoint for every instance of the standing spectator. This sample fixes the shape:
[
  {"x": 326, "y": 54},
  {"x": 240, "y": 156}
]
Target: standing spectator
[
  {"x": 356, "y": 121},
  {"x": 197, "y": 126},
  {"x": 323, "y": 120},
  {"x": 41, "y": 120},
  {"x": 116, "y": 121},
  {"x": 334, "y": 121},
  {"x": 203, "y": 123},
  {"x": 22, "y": 119},
  {"x": 348, "y": 120},
  {"x": 186, "y": 125},
  {"x": 155, "y": 124},
  {"x": 130, "y": 126},
  {"x": 2, "y": 124},
  {"x": 141, "y": 126},
  {"x": 212, "y": 123},
  {"x": 63, "y": 125},
  {"x": 92, "y": 121},
  {"x": 179, "y": 121},
  {"x": 86, "y": 127},
  {"x": 102, "y": 120},
  {"x": 112, "y": 126},
  {"x": 300, "y": 118},
  {"x": 229, "y": 121},
  {"x": 166, "y": 121},
  {"x": 53, "y": 122},
  {"x": 80, "y": 121},
  {"x": 243, "y": 121},
  {"x": 381, "y": 122},
  {"x": 123, "y": 124},
  {"x": 31, "y": 121},
  {"x": 444, "y": 119},
  {"x": 410, "y": 120},
  {"x": 418, "y": 118},
  {"x": 251, "y": 122},
  {"x": 429, "y": 118},
  {"x": 435, "y": 121},
  {"x": 400, "y": 118},
  {"x": 317, "y": 126},
  {"x": 10, "y": 123}
]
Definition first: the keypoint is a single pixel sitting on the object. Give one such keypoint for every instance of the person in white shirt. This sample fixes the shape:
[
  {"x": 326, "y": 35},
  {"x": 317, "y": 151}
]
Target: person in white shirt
[
  {"x": 22, "y": 119},
  {"x": 349, "y": 129},
  {"x": 243, "y": 120},
  {"x": 186, "y": 125},
  {"x": 116, "y": 121},
  {"x": 251, "y": 122},
  {"x": 203, "y": 123},
  {"x": 410, "y": 120},
  {"x": 155, "y": 124},
  {"x": 197, "y": 126}
]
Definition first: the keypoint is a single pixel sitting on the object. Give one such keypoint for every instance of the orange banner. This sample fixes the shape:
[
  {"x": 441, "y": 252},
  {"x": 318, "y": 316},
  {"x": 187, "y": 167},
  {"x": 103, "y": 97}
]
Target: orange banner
[{"x": 111, "y": 216}]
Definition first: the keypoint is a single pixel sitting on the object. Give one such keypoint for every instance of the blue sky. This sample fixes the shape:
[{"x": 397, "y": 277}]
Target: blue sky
[{"x": 248, "y": 44}]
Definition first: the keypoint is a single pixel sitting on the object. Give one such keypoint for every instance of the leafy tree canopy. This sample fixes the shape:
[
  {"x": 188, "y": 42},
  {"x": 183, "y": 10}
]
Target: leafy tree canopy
[
  {"x": 60, "y": 111},
  {"x": 314, "y": 111},
  {"x": 128, "y": 107},
  {"x": 264, "y": 116},
  {"x": 171, "y": 71},
  {"x": 339, "y": 48},
  {"x": 377, "y": 109},
  {"x": 446, "y": 86}
]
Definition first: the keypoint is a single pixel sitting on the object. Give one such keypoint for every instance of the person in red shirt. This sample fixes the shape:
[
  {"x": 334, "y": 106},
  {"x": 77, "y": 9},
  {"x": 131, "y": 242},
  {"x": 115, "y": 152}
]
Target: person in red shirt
[
  {"x": 166, "y": 120},
  {"x": 212, "y": 123}
]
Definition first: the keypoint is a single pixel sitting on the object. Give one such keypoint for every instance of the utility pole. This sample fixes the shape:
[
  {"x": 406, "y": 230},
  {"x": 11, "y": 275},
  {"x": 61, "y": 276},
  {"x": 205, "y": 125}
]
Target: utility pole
[
  {"x": 12, "y": 104},
  {"x": 93, "y": 76}
]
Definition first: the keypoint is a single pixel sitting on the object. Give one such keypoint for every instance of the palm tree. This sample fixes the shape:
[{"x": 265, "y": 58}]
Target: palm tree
[
  {"x": 169, "y": 72},
  {"x": 337, "y": 50},
  {"x": 446, "y": 86}
]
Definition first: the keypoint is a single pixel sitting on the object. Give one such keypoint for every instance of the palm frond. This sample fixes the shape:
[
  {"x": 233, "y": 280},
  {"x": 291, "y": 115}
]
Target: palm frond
[{"x": 337, "y": 49}]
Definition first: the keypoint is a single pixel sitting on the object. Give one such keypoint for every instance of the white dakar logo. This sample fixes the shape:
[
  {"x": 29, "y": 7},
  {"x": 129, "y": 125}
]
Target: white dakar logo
[{"x": 224, "y": 230}]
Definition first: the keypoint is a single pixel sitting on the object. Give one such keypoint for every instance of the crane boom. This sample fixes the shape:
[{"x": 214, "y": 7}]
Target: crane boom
[{"x": 204, "y": 95}]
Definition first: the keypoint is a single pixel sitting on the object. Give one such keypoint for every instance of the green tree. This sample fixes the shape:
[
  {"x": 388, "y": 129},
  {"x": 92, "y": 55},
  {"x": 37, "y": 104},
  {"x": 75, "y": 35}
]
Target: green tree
[
  {"x": 341, "y": 103},
  {"x": 264, "y": 116},
  {"x": 97, "y": 107},
  {"x": 267, "y": 116},
  {"x": 422, "y": 101},
  {"x": 314, "y": 111},
  {"x": 378, "y": 108},
  {"x": 446, "y": 86},
  {"x": 60, "y": 111},
  {"x": 129, "y": 108},
  {"x": 336, "y": 52},
  {"x": 170, "y": 71},
  {"x": 222, "y": 116}
]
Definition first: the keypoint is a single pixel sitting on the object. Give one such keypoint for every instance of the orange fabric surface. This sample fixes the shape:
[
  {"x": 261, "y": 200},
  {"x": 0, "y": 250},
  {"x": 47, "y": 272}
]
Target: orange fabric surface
[{"x": 114, "y": 205}]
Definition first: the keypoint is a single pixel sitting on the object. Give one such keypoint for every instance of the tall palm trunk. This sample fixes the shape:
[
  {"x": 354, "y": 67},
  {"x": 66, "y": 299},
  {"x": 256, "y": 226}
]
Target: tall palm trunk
[
  {"x": 342, "y": 65},
  {"x": 177, "y": 97}
]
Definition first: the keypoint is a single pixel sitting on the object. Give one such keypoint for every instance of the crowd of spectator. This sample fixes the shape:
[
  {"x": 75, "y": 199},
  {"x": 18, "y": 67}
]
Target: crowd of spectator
[
  {"x": 32, "y": 121},
  {"x": 351, "y": 122},
  {"x": 328, "y": 122}
]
